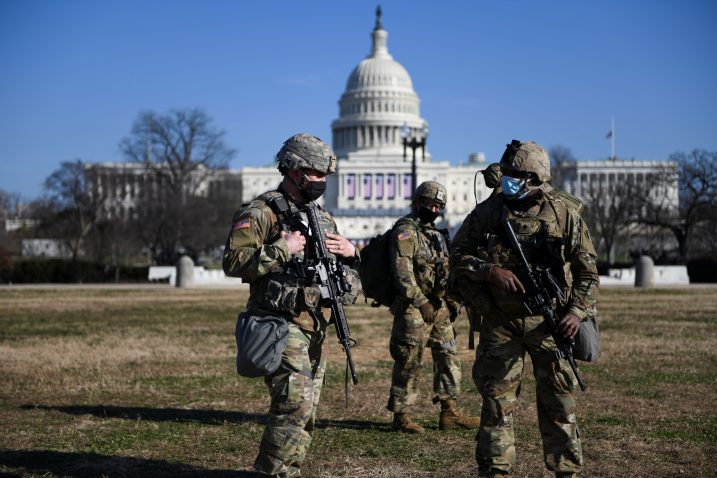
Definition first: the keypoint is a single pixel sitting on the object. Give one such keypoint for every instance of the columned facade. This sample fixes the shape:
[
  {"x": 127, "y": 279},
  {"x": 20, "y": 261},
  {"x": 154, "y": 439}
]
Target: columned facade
[{"x": 373, "y": 184}]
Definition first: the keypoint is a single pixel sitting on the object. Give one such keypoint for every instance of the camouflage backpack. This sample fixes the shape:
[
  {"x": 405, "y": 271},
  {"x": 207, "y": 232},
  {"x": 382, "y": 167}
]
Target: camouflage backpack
[{"x": 375, "y": 269}]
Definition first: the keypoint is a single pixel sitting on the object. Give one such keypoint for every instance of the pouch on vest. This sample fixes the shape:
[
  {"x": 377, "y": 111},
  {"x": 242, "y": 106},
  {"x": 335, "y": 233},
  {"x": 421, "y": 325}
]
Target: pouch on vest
[
  {"x": 587, "y": 341},
  {"x": 261, "y": 340}
]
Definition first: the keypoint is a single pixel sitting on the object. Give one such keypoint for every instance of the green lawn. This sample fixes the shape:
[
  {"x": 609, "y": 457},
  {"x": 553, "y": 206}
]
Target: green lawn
[{"x": 98, "y": 382}]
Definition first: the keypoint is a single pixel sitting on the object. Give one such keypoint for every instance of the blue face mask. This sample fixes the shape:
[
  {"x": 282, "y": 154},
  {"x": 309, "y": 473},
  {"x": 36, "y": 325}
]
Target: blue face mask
[{"x": 514, "y": 188}]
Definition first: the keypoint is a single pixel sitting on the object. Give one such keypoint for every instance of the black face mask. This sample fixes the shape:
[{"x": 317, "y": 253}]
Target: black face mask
[
  {"x": 311, "y": 190},
  {"x": 427, "y": 215}
]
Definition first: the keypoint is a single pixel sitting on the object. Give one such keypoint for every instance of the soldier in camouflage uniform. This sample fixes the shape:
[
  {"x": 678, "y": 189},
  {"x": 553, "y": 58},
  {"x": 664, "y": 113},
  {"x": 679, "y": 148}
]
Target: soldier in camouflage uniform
[
  {"x": 263, "y": 248},
  {"x": 554, "y": 237},
  {"x": 422, "y": 317}
]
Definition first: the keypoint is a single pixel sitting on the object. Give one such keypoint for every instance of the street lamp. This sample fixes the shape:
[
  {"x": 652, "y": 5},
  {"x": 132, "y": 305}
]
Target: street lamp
[{"x": 414, "y": 143}]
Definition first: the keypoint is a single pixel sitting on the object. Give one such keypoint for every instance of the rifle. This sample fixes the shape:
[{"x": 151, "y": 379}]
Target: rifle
[
  {"x": 541, "y": 288},
  {"x": 331, "y": 278}
]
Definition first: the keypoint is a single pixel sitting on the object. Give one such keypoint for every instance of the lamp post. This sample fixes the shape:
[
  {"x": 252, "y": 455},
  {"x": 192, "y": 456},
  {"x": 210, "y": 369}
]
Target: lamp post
[{"x": 414, "y": 142}]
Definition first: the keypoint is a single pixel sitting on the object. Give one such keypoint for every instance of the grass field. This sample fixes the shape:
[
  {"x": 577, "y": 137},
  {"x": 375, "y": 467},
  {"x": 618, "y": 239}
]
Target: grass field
[{"x": 98, "y": 382}]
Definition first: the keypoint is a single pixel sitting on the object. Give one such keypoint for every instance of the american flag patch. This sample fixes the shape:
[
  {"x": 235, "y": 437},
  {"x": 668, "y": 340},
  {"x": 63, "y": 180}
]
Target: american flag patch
[
  {"x": 243, "y": 224},
  {"x": 403, "y": 235}
]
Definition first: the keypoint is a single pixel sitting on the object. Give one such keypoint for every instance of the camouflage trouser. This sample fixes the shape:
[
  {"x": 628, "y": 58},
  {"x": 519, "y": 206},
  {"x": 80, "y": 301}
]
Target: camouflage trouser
[
  {"x": 497, "y": 372},
  {"x": 295, "y": 389},
  {"x": 410, "y": 335}
]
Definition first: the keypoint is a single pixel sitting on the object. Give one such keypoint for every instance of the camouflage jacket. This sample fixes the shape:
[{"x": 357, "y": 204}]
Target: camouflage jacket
[
  {"x": 553, "y": 236},
  {"x": 419, "y": 261},
  {"x": 257, "y": 254}
]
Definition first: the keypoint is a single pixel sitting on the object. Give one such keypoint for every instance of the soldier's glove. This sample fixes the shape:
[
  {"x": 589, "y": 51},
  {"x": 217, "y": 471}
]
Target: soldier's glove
[
  {"x": 428, "y": 313},
  {"x": 506, "y": 280}
]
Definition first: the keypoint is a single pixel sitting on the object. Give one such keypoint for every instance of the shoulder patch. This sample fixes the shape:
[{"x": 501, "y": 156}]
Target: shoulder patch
[
  {"x": 242, "y": 224},
  {"x": 404, "y": 235}
]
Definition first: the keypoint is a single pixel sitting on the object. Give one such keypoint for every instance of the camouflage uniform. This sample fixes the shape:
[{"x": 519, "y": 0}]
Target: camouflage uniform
[
  {"x": 419, "y": 259},
  {"x": 419, "y": 262},
  {"x": 256, "y": 252},
  {"x": 553, "y": 236}
]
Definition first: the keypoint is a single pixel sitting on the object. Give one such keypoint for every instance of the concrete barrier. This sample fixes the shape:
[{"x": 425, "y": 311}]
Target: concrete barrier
[
  {"x": 202, "y": 277},
  {"x": 663, "y": 275}
]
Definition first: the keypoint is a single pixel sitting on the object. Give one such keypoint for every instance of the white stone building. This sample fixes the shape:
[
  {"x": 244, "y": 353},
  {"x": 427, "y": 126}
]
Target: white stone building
[
  {"x": 372, "y": 186},
  {"x": 610, "y": 186},
  {"x": 613, "y": 176}
]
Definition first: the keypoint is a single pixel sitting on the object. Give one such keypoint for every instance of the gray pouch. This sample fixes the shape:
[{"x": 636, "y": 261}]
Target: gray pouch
[
  {"x": 587, "y": 341},
  {"x": 261, "y": 340}
]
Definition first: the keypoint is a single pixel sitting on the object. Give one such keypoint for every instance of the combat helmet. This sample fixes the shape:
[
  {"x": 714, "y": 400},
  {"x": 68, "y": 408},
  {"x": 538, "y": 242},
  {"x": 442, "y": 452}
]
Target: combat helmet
[
  {"x": 304, "y": 151},
  {"x": 528, "y": 157},
  {"x": 431, "y": 190}
]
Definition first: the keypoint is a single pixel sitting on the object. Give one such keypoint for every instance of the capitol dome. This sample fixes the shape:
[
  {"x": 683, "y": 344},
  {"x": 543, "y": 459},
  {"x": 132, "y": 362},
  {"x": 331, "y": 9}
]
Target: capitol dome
[
  {"x": 379, "y": 70},
  {"x": 378, "y": 100}
]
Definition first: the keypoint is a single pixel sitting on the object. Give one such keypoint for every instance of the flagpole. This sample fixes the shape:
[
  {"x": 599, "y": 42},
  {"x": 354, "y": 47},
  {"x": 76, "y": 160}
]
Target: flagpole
[{"x": 612, "y": 138}]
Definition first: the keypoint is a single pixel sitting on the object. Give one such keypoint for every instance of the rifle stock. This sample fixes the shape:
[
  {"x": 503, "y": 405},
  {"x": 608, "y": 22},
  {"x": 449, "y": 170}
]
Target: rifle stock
[{"x": 541, "y": 288}]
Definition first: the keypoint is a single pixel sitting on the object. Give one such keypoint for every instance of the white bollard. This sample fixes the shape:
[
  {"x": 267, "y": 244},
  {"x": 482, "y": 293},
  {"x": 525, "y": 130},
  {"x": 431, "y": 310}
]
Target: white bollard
[
  {"x": 185, "y": 272},
  {"x": 644, "y": 272}
]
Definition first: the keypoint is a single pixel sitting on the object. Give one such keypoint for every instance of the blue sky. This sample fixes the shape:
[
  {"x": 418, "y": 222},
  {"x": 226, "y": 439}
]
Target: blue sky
[{"x": 74, "y": 74}]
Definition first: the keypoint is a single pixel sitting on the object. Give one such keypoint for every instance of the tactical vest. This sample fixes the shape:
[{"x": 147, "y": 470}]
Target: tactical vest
[
  {"x": 430, "y": 262},
  {"x": 285, "y": 290},
  {"x": 542, "y": 238}
]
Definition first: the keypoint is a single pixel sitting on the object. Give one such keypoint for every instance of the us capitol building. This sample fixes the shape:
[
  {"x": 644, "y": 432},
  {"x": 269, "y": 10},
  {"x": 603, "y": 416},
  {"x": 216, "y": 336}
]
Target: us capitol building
[
  {"x": 379, "y": 111},
  {"x": 372, "y": 185}
]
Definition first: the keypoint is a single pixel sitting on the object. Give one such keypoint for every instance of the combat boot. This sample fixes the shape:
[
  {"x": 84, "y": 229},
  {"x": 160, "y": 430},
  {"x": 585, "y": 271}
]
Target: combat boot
[
  {"x": 451, "y": 419},
  {"x": 402, "y": 423}
]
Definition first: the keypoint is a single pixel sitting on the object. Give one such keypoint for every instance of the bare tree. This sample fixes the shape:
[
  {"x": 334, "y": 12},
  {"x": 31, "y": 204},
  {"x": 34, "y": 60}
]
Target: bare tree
[
  {"x": 8, "y": 209},
  {"x": 182, "y": 150},
  {"x": 10, "y": 204},
  {"x": 695, "y": 175},
  {"x": 180, "y": 147},
  {"x": 702, "y": 238},
  {"x": 608, "y": 212},
  {"x": 563, "y": 166},
  {"x": 70, "y": 209}
]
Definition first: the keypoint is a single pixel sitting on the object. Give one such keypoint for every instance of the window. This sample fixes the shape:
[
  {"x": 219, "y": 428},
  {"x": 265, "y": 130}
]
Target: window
[
  {"x": 407, "y": 189},
  {"x": 351, "y": 186},
  {"x": 367, "y": 178},
  {"x": 379, "y": 186},
  {"x": 391, "y": 186}
]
